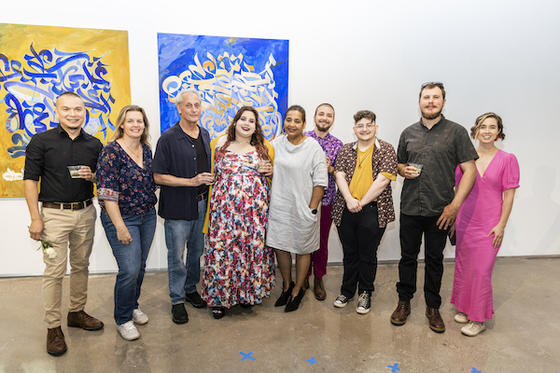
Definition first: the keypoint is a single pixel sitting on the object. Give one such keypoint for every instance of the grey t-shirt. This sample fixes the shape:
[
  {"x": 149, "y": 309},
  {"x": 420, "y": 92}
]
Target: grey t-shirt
[{"x": 439, "y": 150}]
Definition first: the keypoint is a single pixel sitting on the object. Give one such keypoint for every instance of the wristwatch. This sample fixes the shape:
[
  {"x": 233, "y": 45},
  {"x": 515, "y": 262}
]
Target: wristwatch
[{"x": 314, "y": 211}]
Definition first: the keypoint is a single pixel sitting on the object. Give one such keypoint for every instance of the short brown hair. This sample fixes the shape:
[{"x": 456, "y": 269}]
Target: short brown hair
[
  {"x": 368, "y": 114},
  {"x": 482, "y": 118},
  {"x": 323, "y": 104},
  {"x": 119, "y": 132},
  {"x": 430, "y": 85}
]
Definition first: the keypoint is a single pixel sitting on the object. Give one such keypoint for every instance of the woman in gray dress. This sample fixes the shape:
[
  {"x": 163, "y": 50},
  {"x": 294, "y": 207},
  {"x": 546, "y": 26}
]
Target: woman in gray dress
[{"x": 300, "y": 176}]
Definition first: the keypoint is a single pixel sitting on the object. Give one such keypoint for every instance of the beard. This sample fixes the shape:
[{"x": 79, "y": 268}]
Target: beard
[
  {"x": 431, "y": 116},
  {"x": 323, "y": 127}
]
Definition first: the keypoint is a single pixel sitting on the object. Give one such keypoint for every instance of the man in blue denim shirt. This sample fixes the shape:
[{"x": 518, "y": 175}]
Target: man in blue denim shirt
[{"x": 181, "y": 166}]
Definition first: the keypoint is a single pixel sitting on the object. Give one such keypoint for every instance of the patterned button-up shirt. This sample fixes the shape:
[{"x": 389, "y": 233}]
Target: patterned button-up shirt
[
  {"x": 384, "y": 159},
  {"x": 331, "y": 145}
]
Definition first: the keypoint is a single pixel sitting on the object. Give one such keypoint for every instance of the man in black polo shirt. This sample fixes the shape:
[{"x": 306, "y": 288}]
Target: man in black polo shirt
[
  {"x": 181, "y": 166},
  {"x": 428, "y": 153},
  {"x": 67, "y": 216}
]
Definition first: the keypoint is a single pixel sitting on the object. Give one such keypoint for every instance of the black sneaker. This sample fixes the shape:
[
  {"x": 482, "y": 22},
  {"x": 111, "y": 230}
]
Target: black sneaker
[
  {"x": 195, "y": 299},
  {"x": 364, "y": 303},
  {"x": 341, "y": 301},
  {"x": 179, "y": 313}
]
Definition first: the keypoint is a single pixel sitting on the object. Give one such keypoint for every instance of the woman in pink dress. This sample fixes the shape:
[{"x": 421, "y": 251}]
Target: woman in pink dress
[{"x": 480, "y": 225}]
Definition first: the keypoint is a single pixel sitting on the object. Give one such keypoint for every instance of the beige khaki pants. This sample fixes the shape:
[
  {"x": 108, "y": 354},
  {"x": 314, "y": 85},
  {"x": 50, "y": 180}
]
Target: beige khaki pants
[{"x": 69, "y": 231}]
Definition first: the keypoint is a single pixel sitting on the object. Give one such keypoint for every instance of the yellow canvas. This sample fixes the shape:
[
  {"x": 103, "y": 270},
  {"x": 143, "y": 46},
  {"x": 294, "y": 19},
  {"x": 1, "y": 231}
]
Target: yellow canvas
[{"x": 37, "y": 63}]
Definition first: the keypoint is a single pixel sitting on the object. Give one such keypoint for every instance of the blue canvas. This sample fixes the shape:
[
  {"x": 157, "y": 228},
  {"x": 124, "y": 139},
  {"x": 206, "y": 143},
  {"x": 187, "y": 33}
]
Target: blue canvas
[{"x": 228, "y": 73}]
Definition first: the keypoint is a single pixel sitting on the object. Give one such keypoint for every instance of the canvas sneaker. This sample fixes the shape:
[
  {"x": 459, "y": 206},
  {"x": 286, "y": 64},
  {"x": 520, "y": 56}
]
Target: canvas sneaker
[
  {"x": 473, "y": 328},
  {"x": 341, "y": 301},
  {"x": 139, "y": 317},
  {"x": 364, "y": 303},
  {"x": 128, "y": 331},
  {"x": 461, "y": 318}
]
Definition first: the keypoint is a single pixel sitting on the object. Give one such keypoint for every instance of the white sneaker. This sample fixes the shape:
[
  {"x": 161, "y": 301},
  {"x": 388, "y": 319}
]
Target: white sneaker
[
  {"x": 128, "y": 331},
  {"x": 461, "y": 318},
  {"x": 139, "y": 317},
  {"x": 341, "y": 301},
  {"x": 473, "y": 328}
]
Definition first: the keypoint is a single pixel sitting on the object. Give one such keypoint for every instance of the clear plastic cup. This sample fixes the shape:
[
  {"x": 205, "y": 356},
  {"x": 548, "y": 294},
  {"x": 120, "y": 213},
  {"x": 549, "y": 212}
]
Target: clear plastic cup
[
  {"x": 74, "y": 171},
  {"x": 418, "y": 167}
]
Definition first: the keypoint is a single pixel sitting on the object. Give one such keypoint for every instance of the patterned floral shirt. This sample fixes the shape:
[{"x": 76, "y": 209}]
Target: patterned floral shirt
[
  {"x": 384, "y": 160},
  {"x": 331, "y": 145},
  {"x": 120, "y": 179}
]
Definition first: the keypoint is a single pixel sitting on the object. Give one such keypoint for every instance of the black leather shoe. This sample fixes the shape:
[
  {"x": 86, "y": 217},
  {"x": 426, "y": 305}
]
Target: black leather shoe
[
  {"x": 195, "y": 299},
  {"x": 293, "y": 302},
  {"x": 283, "y": 299},
  {"x": 179, "y": 313}
]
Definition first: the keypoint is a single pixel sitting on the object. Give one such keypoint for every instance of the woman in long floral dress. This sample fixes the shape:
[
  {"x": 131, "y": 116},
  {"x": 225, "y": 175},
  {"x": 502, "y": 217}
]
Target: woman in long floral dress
[{"x": 239, "y": 268}]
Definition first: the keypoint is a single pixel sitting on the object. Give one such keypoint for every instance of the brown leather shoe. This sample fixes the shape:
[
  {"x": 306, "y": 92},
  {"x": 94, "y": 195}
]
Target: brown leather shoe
[
  {"x": 319, "y": 289},
  {"x": 400, "y": 314},
  {"x": 55, "y": 341},
  {"x": 436, "y": 322},
  {"x": 82, "y": 320}
]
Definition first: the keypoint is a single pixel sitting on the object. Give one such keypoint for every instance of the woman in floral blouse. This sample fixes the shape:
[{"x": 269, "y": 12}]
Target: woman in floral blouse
[
  {"x": 126, "y": 192},
  {"x": 239, "y": 268}
]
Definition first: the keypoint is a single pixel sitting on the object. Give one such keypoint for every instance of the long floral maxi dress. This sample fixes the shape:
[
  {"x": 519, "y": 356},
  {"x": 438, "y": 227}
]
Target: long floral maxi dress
[{"x": 239, "y": 268}]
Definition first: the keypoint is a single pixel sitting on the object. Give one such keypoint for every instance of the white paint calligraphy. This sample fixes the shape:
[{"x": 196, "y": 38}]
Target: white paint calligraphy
[{"x": 226, "y": 83}]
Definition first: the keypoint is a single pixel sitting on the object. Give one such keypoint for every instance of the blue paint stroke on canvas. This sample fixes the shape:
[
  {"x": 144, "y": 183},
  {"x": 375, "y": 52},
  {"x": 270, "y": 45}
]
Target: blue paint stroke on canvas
[
  {"x": 30, "y": 86},
  {"x": 228, "y": 73}
]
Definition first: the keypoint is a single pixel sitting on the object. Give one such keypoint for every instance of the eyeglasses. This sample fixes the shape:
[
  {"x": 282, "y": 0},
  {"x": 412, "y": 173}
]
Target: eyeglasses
[
  {"x": 437, "y": 84},
  {"x": 366, "y": 125}
]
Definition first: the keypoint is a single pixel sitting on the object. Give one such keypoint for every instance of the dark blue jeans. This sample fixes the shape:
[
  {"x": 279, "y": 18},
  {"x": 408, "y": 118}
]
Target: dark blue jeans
[
  {"x": 184, "y": 270},
  {"x": 131, "y": 259}
]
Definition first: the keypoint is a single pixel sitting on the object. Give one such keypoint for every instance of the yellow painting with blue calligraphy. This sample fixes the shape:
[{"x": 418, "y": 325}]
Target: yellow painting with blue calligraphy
[
  {"x": 228, "y": 72},
  {"x": 38, "y": 63}
]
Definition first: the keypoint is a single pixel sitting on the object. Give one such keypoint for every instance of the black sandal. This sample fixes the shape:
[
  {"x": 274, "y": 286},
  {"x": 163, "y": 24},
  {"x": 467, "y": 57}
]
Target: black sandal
[{"x": 218, "y": 312}]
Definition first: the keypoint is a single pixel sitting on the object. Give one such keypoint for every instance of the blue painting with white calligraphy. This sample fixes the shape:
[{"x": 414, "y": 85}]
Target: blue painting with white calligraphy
[{"x": 228, "y": 73}]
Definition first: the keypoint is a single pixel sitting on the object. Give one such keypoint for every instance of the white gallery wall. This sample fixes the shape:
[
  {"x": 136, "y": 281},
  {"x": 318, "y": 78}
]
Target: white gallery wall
[{"x": 501, "y": 56}]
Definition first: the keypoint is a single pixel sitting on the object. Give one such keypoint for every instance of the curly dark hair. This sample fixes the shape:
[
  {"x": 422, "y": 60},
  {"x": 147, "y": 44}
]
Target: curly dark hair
[
  {"x": 257, "y": 139},
  {"x": 482, "y": 118}
]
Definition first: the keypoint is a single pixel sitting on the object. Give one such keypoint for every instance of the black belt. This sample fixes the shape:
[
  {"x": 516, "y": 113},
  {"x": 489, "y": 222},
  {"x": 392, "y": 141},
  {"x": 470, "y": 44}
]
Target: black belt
[
  {"x": 68, "y": 205},
  {"x": 202, "y": 196}
]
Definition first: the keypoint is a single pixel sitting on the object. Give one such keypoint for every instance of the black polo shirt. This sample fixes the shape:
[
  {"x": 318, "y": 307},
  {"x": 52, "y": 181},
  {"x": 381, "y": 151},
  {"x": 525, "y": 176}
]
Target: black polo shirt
[
  {"x": 176, "y": 155},
  {"x": 439, "y": 150},
  {"x": 47, "y": 157}
]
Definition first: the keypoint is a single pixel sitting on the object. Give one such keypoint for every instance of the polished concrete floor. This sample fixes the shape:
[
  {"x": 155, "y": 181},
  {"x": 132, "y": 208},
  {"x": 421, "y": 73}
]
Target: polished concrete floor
[{"x": 523, "y": 337}]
